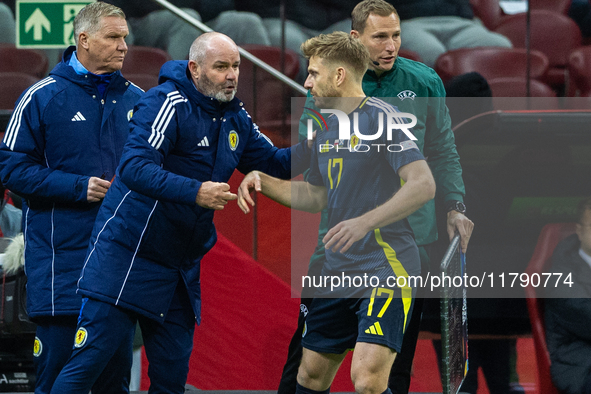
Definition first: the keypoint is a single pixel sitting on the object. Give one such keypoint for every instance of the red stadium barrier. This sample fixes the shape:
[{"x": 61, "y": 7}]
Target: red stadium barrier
[{"x": 248, "y": 319}]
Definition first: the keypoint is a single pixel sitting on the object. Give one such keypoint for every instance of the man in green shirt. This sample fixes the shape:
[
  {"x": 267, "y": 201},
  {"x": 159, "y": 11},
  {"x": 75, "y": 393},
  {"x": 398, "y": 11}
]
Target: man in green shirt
[{"x": 413, "y": 88}]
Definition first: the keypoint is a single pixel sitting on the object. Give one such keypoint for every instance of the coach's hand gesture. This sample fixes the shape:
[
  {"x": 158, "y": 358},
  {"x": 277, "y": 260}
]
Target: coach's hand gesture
[{"x": 214, "y": 195}]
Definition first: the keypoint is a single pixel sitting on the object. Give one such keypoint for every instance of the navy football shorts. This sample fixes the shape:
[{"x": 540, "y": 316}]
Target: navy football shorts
[{"x": 334, "y": 325}]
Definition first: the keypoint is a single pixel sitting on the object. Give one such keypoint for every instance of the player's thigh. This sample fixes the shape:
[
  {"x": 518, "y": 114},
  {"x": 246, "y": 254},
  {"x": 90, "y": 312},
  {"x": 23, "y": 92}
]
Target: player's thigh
[
  {"x": 317, "y": 370},
  {"x": 370, "y": 367}
]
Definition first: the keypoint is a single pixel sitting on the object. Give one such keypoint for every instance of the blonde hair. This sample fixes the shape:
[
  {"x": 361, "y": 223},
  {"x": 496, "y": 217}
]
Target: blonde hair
[
  {"x": 89, "y": 18},
  {"x": 362, "y": 11},
  {"x": 338, "y": 48}
]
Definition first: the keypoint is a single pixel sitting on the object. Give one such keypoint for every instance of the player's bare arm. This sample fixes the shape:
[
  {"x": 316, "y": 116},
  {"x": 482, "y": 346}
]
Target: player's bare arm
[
  {"x": 297, "y": 195},
  {"x": 419, "y": 187}
]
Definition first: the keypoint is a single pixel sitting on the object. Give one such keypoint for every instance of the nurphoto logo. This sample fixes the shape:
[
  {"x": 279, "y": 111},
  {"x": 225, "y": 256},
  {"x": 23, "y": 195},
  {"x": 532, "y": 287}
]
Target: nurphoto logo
[{"x": 394, "y": 121}]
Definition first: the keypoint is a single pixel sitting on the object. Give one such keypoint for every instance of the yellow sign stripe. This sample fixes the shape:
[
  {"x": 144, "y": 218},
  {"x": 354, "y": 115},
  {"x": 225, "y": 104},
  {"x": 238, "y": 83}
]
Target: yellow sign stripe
[{"x": 398, "y": 270}]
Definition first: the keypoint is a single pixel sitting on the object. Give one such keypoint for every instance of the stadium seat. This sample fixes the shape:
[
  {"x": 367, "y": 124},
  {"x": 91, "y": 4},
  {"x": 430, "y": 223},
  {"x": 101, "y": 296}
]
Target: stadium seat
[
  {"x": 144, "y": 81},
  {"x": 144, "y": 60},
  {"x": 549, "y": 237},
  {"x": 579, "y": 71},
  {"x": 491, "y": 63},
  {"x": 266, "y": 100},
  {"x": 516, "y": 87},
  {"x": 560, "y": 6},
  {"x": 553, "y": 34},
  {"x": 510, "y": 94},
  {"x": 412, "y": 55},
  {"x": 12, "y": 84},
  {"x": 25, "y": 61},
  {"x": 488, "y": 11}
]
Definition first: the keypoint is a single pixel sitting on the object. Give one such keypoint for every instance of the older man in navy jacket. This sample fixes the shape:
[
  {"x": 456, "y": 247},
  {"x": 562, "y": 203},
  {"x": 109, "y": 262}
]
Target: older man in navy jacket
[
  {"x": 60, "y": 151},
  {"x": 187, "y": 137}
]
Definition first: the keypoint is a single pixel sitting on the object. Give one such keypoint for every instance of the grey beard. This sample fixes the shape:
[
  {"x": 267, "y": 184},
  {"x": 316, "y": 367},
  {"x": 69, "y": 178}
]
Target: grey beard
[
  {"x": 205, "y": 86},
  {"x": 222, "y": 97}
]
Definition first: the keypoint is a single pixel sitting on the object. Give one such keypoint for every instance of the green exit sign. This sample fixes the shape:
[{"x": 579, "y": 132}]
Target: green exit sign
[{"x": 46, "y": 24}]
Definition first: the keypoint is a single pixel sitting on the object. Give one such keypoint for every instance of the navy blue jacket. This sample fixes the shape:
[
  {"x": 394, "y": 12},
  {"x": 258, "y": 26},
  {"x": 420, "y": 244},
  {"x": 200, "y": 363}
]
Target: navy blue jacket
[
  {"x": 61, "y": 133},
  {"x": 149, "y": 232}
]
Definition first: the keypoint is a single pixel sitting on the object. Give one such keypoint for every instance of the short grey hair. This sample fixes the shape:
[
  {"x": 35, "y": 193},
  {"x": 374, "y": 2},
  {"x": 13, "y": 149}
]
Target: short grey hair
[
  {"x": 89, "y": 18},
  {"x": 198, "y": 51},
  {"x": 199, "y": 47}
]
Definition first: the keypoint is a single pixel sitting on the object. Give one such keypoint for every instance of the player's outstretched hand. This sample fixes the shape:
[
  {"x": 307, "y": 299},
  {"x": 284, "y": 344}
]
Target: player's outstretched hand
[
  {"x": 342, "y": 236},
  {"x": 459, "y": 222},
  {"x": 252, "y": 181},
  {"x": 97, "y": 188},
  {"x": 214, "y": 195}
]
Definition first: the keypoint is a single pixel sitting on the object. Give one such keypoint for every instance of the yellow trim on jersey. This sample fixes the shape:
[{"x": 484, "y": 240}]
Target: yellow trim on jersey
[
  {"x": 399, "y": 271},
  {"x": 364, "y": 101}
]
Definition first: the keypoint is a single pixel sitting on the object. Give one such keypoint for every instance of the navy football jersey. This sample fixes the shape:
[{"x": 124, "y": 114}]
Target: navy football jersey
[{"x": 360, "y": 175}]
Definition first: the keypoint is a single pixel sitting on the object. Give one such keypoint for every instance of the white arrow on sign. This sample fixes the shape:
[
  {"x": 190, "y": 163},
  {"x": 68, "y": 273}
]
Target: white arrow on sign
[{"x": 37, "y": 21}]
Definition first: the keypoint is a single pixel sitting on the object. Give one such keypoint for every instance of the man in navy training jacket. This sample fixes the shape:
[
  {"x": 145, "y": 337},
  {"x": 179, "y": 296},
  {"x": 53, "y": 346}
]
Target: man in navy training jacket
[
  {"x": 187, "y": 136},
  {"x": 60, "y": 151}
]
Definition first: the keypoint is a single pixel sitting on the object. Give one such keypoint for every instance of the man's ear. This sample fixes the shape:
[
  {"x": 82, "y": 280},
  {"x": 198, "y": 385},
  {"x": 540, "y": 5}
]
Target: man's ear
[
  {"x": 83, "y": 40},
  {"x": 341, "y": 73},
  {"x": 354, "y": 34},
  {"x": 194, "y": 69}
]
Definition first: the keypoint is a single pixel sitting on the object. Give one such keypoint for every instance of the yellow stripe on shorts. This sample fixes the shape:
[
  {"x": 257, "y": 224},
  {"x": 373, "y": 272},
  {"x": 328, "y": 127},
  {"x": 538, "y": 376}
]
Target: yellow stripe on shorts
[{"x": 399, "y": 271}]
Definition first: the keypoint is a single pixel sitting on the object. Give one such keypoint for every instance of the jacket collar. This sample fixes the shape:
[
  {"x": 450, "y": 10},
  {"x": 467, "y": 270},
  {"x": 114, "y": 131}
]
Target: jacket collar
[{"x": 64, "y": 70}]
